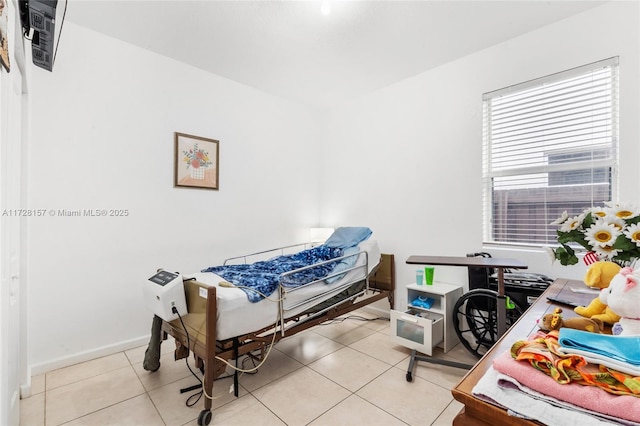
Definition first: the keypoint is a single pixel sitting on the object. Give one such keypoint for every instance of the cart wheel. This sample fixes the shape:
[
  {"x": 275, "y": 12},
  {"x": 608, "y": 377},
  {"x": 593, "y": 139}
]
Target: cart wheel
[
  {"x": 204, "y": 418},
  {"x": 409, "y": 377},
  {"x": 475, "y": 320}
]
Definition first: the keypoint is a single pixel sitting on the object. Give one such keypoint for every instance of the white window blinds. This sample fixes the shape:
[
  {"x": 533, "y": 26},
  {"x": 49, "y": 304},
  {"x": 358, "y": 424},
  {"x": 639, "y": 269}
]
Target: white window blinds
[{"x": 549, "y": 145}]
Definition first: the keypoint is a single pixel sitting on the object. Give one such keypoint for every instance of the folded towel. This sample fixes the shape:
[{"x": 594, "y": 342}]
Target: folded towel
[
  {"x": 621, "y": 348},
  {"x": 607, "y": 361},
  {"x": 523, "y": 405},
  {"x": 592, "y": 398},
  {"x": 509, "y": 383}
]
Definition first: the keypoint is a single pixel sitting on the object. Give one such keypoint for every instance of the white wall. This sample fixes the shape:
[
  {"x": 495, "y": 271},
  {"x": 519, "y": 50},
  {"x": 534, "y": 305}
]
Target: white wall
[
  {"x": 102, "y": 138},
  {"x": 416, "y": 145}
]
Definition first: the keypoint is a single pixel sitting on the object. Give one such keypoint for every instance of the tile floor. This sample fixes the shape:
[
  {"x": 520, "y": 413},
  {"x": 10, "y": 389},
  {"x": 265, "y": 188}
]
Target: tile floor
[{"x": 344, "y": 373}]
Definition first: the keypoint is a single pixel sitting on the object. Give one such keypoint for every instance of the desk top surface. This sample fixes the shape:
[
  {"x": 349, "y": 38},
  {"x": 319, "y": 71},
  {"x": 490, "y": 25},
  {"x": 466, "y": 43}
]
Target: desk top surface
[
  {"x": 524, "y": 327},
  {"x": 481, "y": 262}
]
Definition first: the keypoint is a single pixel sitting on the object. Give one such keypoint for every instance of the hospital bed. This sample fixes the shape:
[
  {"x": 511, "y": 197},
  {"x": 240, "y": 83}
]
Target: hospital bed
[{"x": 224, "y": 325}]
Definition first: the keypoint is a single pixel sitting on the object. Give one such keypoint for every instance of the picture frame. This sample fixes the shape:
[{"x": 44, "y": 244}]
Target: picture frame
[
  {"x": 4, "y": 41},
  {"x": 196, "y": 162}
]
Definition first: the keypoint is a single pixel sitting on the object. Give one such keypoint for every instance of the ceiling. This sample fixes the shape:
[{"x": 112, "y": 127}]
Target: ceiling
[{"x": 290, "y": 49}]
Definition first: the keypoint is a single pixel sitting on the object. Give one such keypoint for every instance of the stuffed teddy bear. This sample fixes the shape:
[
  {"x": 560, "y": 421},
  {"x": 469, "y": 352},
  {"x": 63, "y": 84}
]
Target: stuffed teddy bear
[
  {"x": 555, "y": 321},
  {"x": 599, "y": 275},
  {"x": 623, "y": 297}
]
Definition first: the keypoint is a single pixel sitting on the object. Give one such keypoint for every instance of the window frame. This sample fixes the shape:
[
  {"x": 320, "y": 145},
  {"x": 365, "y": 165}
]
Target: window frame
[{"x": 490, "y": 233}]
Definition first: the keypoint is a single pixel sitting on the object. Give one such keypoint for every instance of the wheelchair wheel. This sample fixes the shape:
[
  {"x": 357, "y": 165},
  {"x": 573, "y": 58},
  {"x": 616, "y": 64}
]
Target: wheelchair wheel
[{"x": 475, "y": 319}]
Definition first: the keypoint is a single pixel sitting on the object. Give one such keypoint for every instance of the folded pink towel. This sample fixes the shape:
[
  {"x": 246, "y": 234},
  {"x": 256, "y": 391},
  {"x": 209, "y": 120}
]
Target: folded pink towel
[{"x": 592, "y": 398}]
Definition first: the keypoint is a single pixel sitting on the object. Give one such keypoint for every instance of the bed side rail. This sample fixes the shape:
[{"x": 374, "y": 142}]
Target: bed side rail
[
  {"x": 266, "y": 254},
  {"x": 289, "y": 277},
  {"x": 364, "y": 276}
]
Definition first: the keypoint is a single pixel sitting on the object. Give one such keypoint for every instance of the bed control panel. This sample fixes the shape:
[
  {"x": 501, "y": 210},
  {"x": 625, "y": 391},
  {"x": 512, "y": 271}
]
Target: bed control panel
[
  {"x": 163, "y": 277},
  {"x": 164, "y": 291}
]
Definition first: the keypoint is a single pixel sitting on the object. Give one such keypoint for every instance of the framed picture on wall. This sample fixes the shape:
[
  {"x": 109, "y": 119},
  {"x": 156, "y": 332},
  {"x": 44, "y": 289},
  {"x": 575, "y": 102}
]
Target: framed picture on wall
[
  {"x": 197, "y": 162},
  {"x": 4, "y": 30}
]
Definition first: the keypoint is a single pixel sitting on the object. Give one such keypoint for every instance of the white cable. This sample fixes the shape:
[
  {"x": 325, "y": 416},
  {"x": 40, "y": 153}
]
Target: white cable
[{"x": 266, "y": 355}]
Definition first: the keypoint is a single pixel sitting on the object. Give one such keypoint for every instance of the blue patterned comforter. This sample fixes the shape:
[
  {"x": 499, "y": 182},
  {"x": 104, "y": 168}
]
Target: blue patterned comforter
[{"x": 266, "y": 275}]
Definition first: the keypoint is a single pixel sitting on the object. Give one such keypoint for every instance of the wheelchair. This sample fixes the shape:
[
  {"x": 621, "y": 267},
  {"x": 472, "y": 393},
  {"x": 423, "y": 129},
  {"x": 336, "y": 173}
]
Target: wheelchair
[{"x": 475, "y": 317}]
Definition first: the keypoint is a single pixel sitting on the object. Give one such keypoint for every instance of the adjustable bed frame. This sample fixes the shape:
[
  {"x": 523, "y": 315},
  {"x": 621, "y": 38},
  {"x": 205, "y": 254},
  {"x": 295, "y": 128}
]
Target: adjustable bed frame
[{"x": 212, "y": 355}]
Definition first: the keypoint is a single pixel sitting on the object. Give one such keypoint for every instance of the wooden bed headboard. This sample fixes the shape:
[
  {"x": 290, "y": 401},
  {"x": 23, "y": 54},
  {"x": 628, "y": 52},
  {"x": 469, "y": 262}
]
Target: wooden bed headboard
[{"x": 385, "y": 276}]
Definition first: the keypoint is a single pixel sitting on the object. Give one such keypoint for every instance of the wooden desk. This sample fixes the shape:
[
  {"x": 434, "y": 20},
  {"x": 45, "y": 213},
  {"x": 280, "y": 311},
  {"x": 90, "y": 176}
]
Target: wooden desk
[
  {"x": 480, "y": 413},
  {"x": 477, "y": 262}
]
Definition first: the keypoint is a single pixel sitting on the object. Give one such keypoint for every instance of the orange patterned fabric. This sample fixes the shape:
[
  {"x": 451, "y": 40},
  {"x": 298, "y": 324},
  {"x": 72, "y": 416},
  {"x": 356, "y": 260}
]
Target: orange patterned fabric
[{"x": 542, "y": 353}]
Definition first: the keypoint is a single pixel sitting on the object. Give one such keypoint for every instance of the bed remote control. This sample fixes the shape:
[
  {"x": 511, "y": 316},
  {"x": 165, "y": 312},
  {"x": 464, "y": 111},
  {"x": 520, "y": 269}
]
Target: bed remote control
[{"x": 563, "y": 302}]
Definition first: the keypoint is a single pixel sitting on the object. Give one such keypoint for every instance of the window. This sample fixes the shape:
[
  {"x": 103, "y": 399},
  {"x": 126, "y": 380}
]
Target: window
[{"x": 549, "y": 145}]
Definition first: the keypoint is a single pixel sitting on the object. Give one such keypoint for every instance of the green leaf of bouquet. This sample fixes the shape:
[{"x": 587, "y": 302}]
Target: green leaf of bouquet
[
  {"x": 622, "y": 257},
  {"x": 588, "y": 221},
  {"x": 574, "y": 236},
  {"x": 566, "y": 255},
  {"x": 623, "y": 243},
  {"x": 633, "y": 220}
]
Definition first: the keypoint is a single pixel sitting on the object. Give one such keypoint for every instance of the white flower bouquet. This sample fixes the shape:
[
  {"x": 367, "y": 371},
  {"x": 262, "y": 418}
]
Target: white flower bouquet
[{"x": 611, "y": 233}]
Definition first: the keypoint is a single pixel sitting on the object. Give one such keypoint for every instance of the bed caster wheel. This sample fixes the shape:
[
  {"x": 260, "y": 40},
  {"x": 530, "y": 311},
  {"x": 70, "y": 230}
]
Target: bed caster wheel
[
  {"x": 204, "y": 418},
  {"x": 409, "y": 377}
]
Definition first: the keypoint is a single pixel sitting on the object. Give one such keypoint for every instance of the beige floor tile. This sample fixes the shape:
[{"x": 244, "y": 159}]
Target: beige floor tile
[
  {"x": 417, "y": 403},
  {"x": 86, "y": 396},
  {"x": 356, "y": 411},
  {"x": 380, "y": 317},
  {"x": 460, "y": 353},
  {"x": 378, "y": 325},
  {"x": 136, "y": 355},
  {"x": 349, "y": 368},
  {"x": 380, "y": 346},
  {"x": 301, "y": 396},
  {"x": 441, "y": 375},
  {"x": 132, "y": 412},
  {"x": 169, "y": 371},
  {"x": 341, "y": 358},
  {"x": 276, "y": 366},
  {"x": 85, "y": 370},
  {"x": 307, "y": 347},
  {"x": 344, "y": 332},
  {"x": 171, "y": 404},
  {"x": 37, "y": 384},
  {"x": 32, "y": 410},
  {"x": 245, "y": 411},
  {"x": 446, "y": 418}
]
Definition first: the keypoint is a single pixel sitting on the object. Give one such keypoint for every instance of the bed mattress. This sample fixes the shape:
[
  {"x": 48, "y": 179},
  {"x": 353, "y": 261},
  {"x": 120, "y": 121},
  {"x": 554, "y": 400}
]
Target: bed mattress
[{"x": 238, "y": 316}]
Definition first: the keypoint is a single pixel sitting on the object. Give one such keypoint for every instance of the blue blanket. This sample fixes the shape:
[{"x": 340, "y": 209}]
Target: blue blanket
[{"x": 266, "y": 275}]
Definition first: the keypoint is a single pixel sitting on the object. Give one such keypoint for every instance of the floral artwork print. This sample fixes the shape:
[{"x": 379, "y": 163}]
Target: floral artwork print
[
  {"x": 196, "y": 162},
  {"x": 196, "y": 157}
]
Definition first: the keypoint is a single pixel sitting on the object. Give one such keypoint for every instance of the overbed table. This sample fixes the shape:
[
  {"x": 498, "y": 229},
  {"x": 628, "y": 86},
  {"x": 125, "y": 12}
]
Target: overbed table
[
  {"x": 477, "y": 262},
  {"x": 479, "y": 413}
]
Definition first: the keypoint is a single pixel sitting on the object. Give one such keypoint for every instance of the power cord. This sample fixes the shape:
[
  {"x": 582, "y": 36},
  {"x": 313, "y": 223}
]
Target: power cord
[
  {"x": 243, "y": 370},
  {"x": 199, "y": 394},
  {"x": 353, "y": 317}
]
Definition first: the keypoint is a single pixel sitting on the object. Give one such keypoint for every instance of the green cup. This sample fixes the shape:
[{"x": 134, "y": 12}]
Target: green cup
[{"x": 428, "y": 275}]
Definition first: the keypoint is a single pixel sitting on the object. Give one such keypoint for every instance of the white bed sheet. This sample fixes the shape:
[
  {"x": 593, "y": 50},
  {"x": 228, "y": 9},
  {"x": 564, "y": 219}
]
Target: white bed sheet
[{"x": 237, "y": 316}]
